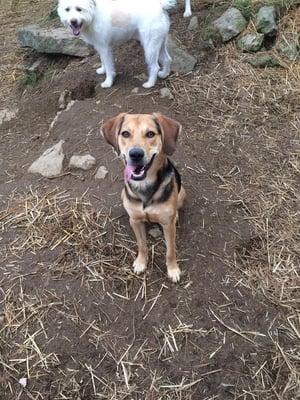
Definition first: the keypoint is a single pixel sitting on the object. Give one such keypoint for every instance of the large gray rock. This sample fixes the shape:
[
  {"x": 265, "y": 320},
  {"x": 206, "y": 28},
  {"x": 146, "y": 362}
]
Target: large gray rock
[
  {"x": 230, "y": 24},
  {"x": 50, "y": 163},
  {"x": 266, "y": 20},
  {"x": 52, "y": 40},
  {"x": 251, "y": 42},
  {"x": 182, "y": 61}
]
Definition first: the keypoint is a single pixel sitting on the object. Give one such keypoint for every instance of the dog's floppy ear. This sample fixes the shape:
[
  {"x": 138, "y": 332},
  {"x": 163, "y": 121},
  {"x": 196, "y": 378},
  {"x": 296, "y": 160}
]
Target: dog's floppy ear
[
  {"x": 170, "y": 130},
  {"x": 111, "y": 129}
]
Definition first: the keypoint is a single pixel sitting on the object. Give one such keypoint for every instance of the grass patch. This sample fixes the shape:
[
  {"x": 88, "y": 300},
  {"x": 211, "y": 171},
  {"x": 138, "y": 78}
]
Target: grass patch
[
  {"x": 245, "y": 7},
  {"x": 30, "y": 79}
]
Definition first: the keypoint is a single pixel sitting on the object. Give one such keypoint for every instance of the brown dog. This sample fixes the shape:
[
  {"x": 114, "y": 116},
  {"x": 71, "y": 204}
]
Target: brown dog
[{"x": 153, "y": 190}]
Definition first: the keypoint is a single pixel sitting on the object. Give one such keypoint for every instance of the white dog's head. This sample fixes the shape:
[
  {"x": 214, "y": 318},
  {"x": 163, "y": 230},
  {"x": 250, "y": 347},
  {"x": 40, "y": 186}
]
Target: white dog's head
[{"x": 76, "y": 14}]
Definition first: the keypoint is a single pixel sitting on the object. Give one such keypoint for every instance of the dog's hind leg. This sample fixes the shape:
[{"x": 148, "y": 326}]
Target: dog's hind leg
[
  {"x": 151, "y": 49},
  {"x": 140, "y": 263},
  {"x": 101, "y": 70},
  {"x": 188, "y": 10},
  {"x": 165, "y": 61},
  {"x": 108, "y": 65}
]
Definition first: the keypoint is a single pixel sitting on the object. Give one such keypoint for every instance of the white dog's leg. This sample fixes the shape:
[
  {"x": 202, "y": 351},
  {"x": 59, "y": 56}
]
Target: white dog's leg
[
  {"x": 108, "y": 65},
  {"x": 165, "y": 60},
  {"x": 188, "y": 10},
  {"x": 101, "y": 70},
  {"x": 151, "y": 54}
]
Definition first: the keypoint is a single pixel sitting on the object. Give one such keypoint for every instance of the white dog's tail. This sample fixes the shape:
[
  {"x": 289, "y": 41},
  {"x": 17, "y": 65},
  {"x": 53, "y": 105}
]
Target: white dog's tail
[{"x": 167, "y": 4}]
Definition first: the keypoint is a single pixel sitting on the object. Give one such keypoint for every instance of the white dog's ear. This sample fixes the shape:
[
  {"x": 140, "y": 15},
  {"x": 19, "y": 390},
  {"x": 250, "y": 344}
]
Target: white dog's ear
[
  {"x": 170, "y": 130},
  {"x": 111, "y": 129}
]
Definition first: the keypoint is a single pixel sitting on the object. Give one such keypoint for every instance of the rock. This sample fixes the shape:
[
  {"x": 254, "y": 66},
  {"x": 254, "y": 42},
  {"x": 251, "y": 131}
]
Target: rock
[
  {"x": 250, "y": 43},
  {"x": 101, "y": 172},
  {"x": 182, "y": 61},
  {"x": 8, "y": 114},
  {"x": 264, "y": 60},
  {"x": 230, "y": 24},
  {"x": 194, "y": 24},
  {"x": 289, "y": 48},
  {"x": 85, "y": 162},
  {"x": 141, "y": 77},
  {"x": 64, "y": 99},
  {"x": 266, "y": 20},
  {"x": 166, "y": 93},
  {"x": 155, "y": 233},
  {"x": 135, "y": 90},
  {"x": 56, "y": 118},
  {"x": 52, "y": 40},
  {"x": 50, "y": 163},
  {"x": 35, "y": 67}
]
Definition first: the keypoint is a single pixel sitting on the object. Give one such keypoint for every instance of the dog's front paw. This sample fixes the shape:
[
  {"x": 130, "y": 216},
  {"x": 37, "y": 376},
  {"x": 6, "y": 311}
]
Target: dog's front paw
[
  {"x": 174, "y": 273},
  {"x": 107, "y": 83},
  {"x": 139, "y": 266},
  {"x": 148, "y": 85},
  {"x": 101, "y": 70}
]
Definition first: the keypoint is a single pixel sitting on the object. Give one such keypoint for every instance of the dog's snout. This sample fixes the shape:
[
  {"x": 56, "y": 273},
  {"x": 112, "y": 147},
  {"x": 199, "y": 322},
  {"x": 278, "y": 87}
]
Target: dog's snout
[
  {"x": 136, "y": 154},
  {"x": 73, "y": 21}
]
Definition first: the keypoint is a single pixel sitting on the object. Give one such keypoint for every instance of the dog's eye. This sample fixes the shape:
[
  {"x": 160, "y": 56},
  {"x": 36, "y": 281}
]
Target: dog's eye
[
  {"x": 78, "y": 9},
  {"x": 150, "y": 135},
  {"x": 68, "y": 9},
  {"x": 125, "y": 134}
]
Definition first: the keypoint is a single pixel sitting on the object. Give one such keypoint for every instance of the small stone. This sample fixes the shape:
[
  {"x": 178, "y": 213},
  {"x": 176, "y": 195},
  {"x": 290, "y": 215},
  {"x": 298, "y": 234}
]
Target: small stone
[
  {"x": 101, "y": 172},
  {"x": 23, "y": 382},
  {"x": 182, "y": 61},
  {"x": 64, "y": 99},
  {"x": 266, "y": 20},
  {"x": 85, "y": 162},
  {"x": 194, "y": 24},
  {"x": 7, "y": 114},
  {"x": 135, "y": 90},
  {"x": 166, "y": 93},
  {"x": 250, "y": 43},
  {"x": 50, "y": 163},
  {"x": 52, "y": 40},
  {"x": 230, "y": 24},
  {"x": 141, "y": 77},
  {"x": 289, "y": 48},
  {"x": 155, "y": 233},
  {"x": 2, "y": 319},
  {"x": 264, "y": 60},
  {"x": 35, "y": 67}
]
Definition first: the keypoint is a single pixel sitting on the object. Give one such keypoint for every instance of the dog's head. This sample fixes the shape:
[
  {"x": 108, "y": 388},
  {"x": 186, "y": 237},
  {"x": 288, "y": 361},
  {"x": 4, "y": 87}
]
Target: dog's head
[
  {"x": 76, "y": 14},
  {"x": 139, "y": 139}
]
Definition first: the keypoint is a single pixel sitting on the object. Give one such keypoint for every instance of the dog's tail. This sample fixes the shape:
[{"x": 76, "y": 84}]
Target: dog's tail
[{"x": 167, "y": 4}]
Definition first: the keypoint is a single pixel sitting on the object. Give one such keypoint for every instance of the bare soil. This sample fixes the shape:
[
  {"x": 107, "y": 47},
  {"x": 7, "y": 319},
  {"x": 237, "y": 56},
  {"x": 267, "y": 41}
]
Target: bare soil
[{"x": 75, "y": 320}]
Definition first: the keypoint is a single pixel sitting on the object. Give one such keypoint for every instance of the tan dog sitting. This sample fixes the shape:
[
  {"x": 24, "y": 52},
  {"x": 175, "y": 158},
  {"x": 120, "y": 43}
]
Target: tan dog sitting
[{"x": 153, "y": 190}]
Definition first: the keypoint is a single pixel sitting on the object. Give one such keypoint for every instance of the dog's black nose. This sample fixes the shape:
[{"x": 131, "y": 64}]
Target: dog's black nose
[
  {"x": 73, "y": 21},
  {"x": 136, "y": 154}
]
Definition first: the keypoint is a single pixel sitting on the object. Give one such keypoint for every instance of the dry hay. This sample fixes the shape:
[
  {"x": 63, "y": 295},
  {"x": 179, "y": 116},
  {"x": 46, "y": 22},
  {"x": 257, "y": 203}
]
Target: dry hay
[{"x": 85, "y": 239}]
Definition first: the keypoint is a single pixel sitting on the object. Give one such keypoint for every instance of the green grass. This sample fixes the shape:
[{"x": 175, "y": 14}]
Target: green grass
[
  {"x": 30, "y": 79},
  {"x": 245, "y": 7}
]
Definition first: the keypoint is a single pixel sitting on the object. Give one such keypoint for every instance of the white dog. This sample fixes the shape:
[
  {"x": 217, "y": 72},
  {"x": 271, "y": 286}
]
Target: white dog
[{"x": 105, "y": 23}]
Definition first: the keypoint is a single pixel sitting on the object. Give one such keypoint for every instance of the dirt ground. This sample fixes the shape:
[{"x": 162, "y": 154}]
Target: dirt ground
[{"x": 74, "y": 319}]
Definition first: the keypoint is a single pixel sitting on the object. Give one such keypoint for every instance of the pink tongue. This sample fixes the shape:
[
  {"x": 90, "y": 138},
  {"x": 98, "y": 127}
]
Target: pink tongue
[
  {"x": 128, "y": 172},
  {"x": 76, "y": 30}
]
